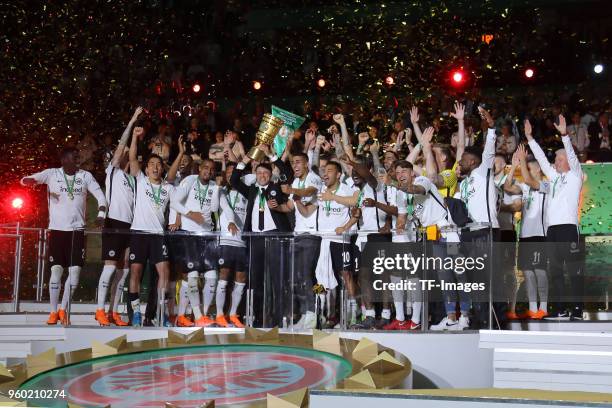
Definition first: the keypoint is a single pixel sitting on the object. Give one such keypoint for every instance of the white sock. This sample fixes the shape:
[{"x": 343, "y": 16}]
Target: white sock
[
  {"x": 119, "y": 288},
  {"x": 353, "y": 307},
  {"x": 220, "y": 299},
  {"x": 193, "y": 293},
  {"x": 532, "y": 291},
  {"x": 416, "y": 312},
  {"x": 55, "y": 286},
  {"x": 386, "y": 314},
  {"x": 135, "y": 305},
  {"x": 183, "y": 298},
  {"x": 542, "y": 279},
  {"x": 71, "y": 284},
  {"x": 104, "y": 283},
  {"x": 363, "y": 310},
  {"x": 208, "y": 292},
  {"x": 370, "y": 313},
  {"x": 398, "y": 300},
  {"x": 236, "y": 297}
]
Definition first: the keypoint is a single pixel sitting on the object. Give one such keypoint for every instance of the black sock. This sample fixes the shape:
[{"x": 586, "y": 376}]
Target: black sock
[{"x": 132, "y": 296}]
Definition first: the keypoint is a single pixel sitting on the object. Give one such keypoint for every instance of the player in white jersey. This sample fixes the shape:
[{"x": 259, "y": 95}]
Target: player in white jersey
[
  {"x": 565, "y": 180},
  {"x": 531, "y": 254},
  {"x": 233, "y": 256},
  {"x": 197, "y": 200},
  {"x": 333, "y": 217},
  {"x": 507, "y": 205},
  {"x": 148, "y": 241},
  {"x": 67, "y": 189},
  {"x": 302, "y": 194},
  {"x": 115, "y": 235}
]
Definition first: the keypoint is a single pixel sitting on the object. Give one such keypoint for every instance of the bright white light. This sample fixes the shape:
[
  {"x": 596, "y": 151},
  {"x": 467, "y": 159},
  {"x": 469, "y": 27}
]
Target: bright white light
[{"x": 598, "y": 68}]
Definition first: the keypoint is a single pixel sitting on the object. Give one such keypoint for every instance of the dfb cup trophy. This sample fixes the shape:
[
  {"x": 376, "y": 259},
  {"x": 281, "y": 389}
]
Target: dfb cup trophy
[{"x": 268, "y": 129}]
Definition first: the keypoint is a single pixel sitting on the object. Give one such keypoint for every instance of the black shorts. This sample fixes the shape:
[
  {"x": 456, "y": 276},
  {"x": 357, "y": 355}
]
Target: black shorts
[
  {"x": 194, "y": 252},
  {"x": 148, "y": 247},
  {"x": 115, "y": 239},
  {"x": 344, "y": 257},
  {"x": 532, "y": 253},
  {"x": 233, "y": 257},
  {"x": 66, "y": 248}
]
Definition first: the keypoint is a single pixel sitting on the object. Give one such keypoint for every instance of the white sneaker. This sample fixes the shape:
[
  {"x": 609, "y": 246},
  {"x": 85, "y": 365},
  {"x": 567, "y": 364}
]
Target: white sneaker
[
  {"x": 300, "y": 323},
  {"x": 310, "y": 320},
  {"x": 446, "y": 324},
  {"x": 464, "y": 322}
]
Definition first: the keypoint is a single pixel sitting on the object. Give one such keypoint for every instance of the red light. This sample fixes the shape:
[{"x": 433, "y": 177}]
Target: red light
[
  {"x": 458, "y": 77},
  {"x": 17, "y": 203},
  {"x": 389, "y": 80},
  {"x": 256, "y": 85},
  {"x": 196, "y": 88},
  {"x": 529, "y": 73},
  {"x": 321, "y": 83}
]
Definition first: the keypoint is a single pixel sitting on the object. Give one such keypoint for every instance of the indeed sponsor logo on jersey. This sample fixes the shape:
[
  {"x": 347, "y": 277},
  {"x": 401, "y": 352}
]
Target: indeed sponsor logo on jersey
[
  {"x": 76, "y": 190},
  {"x": 335, "y": 210},
  {"x": 163, "y": 194}
]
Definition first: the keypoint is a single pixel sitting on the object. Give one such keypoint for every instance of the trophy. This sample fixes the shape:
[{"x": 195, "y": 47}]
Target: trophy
[{"x": 268, "y": 128}]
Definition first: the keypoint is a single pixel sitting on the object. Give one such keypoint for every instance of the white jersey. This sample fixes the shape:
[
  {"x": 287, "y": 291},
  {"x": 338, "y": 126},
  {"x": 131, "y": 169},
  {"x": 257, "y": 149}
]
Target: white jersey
[
  {"x": 473, "y": 189},
  {"x": 372, "y": 218},
  {"x": 562, "y": 202},
  {"x": 150, "y": 203},
  {"x": 390, "y": 193},
  {"x": 119, "y": 194},
  {"x": 405, "y": 205},
  {"x": 302, "y": 223},
  {"x": 332, "y": 214},
  {"x": 194, "y": 196},
  {"x": 533, "y": 211},
  {"x": 505, "y": 219},
  {"x": 233, "y": 207},
  {"x": 67, "y": 196}
]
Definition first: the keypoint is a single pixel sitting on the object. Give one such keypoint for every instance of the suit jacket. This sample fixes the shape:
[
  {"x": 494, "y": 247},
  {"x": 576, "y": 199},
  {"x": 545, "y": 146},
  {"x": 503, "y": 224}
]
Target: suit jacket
[
  {"x": 272, "y": 191},
  {"x": 594, "y": 130}
]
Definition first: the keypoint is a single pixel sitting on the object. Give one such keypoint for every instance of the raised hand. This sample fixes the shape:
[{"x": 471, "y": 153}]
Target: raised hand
[
  {"x": 137, "y": 112},
  {"x": 528, "y": 130},
  {"x": 521, "y": 153},
  {"x": 182, "y": 145},
  {"x": 515, "y": 159},
  {"x": 562, "y": 126},
  {"x": 399, "y": 141},
  {"x": 427, "y": 136},
  {"x": 414, "y": 114},
  {"x": 138, "y": 131},
  {"x": 486, "y": 116},
  {"x": 320, "y": 141},
  {"x": 375, "y": 148},
  {"x": 363, "y": 137},
  {"x": 339, "y": 119},
  {"x": 459, "y": 113},
  {"x": 265, "y": 148}
]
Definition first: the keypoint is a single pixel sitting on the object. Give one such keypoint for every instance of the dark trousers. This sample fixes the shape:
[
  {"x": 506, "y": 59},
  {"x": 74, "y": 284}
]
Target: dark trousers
[
  {"x": 269, "y": 259},
  {"x": 565, "y": 254},
  {"x": 307, "y": 248}
]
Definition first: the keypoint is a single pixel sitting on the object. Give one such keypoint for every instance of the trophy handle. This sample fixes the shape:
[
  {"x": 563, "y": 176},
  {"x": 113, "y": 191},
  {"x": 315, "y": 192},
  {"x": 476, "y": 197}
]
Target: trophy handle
[{"x": 255, "y": 153}]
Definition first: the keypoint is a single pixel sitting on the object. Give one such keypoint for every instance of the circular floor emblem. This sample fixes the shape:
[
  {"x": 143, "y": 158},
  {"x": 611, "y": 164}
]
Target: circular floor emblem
[
  {"x": 132, "y": 257},
  {"x": 111, "y": 253},
  {"x": 221, "y": 261},
  {"x": 230, "y": 374}
]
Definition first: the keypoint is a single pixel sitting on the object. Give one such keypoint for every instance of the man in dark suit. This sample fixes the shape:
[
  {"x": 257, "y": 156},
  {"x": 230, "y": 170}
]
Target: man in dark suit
[
  {"x": 266, "y": 213},
  {"x": 599, "y": 135}
]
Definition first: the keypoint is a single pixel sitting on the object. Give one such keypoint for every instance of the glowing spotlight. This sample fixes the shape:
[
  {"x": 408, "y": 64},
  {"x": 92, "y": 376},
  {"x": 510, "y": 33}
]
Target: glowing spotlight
[
  {"x": 321, "y": 83},
  {"x": 17, "y": 203},
  {"x": 389, "y": 80},
  {"x": 256, "y": 85},
  {"x": 458, "y": 77},
  {"x": 196, "y": 88},
  {"x": 529, "y": 73},
  {"x": 598, "y": 68}
]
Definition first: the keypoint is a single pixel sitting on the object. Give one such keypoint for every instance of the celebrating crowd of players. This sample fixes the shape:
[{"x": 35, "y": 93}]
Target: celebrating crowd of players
[{"x": 186, "y": 221}]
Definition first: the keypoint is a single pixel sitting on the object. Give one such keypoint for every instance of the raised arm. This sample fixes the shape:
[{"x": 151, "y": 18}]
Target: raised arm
[
  {"x": 175, "y": 165},
  {"x": 134, "y": 163},
  {"x": 375, "y": 149},
  {"x": 414, "y": 153},
  {"x": 235, "y": 180},
  {"x": 94, "y": 188},
  {"x": 124, "y": 138},
  {"x": 538, "y": 153},
  {"x": 488, "y": 153},
  {"x": 349, "y": 201},
  {"x": 509, "y": 186},
  {"x": 37, "y": 178},
  {"x": 459, "y": 115},
  {"x": 430, "y": 161},
  {"x": 414, "y": 119},
  {"x": 572, "y": 159}
]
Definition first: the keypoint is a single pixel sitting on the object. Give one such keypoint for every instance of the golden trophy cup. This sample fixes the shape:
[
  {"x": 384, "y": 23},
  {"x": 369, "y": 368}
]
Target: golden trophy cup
[{"x": 268, "y": 128}]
